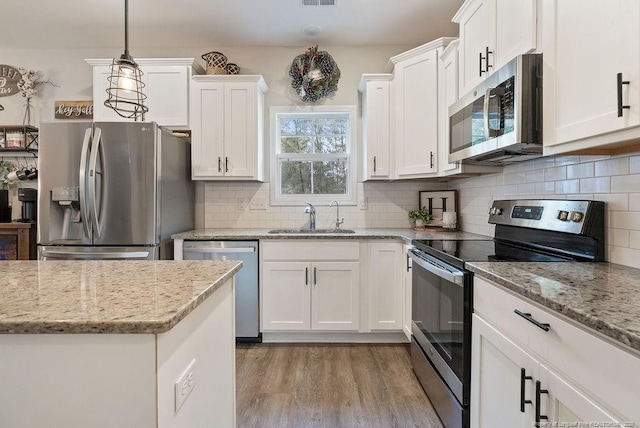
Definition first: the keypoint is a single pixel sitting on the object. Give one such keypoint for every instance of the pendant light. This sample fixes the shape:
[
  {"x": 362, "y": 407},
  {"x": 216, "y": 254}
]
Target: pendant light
[{"x": 125, "y": 95}]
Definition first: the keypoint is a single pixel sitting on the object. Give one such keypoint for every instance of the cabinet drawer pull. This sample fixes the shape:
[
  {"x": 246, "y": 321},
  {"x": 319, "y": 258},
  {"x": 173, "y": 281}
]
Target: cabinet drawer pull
[
  {"x": 306, "y": 276},
  {"x": 528, "y": 317},
  {"x": 480, "y": 69},
  {"x": 226, "y": 164},
  {"x": 523, "y": 379},
  {"x": 539, "y": 392},
  {"x": 315, "y": 276},
  {"x": 219, "y": 164},
  {"x": 374, "y": 164},
  {"x": 620, "y": 105},
  {"x": 431, "y": 159}
]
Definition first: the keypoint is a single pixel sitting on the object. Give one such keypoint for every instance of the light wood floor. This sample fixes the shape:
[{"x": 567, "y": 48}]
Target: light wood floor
[{"x": 312, "y": 385}]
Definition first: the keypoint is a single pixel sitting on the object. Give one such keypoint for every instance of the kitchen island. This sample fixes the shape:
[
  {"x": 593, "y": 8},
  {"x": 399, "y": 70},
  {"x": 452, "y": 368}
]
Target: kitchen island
[{"x": 114, "y": 343}]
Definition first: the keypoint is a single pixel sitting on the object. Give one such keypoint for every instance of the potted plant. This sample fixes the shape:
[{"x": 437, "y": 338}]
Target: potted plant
[{"x": 420, "y": 216}]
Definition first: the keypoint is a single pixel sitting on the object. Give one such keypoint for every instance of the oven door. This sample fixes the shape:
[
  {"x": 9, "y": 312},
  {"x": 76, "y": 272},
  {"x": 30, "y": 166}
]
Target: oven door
[{"x": 441, "y": 319}]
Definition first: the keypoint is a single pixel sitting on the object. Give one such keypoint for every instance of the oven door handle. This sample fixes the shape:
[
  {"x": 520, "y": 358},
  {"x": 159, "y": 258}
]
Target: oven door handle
[{"x": 430, "y": 263}]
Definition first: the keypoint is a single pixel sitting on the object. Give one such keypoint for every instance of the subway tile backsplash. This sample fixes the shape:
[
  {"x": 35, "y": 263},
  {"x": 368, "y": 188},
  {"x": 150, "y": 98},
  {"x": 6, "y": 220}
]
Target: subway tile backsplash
[
  {"x": 228, "y": 205},
  {"x": 612, "y": 179}
]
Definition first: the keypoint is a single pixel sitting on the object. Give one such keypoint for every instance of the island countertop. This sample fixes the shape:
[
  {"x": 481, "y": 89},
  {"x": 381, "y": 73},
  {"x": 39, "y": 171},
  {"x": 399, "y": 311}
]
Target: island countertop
[{"x": 121, "y": 297}]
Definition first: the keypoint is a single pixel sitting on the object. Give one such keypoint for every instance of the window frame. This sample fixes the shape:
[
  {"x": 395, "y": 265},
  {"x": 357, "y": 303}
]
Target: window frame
[{"x": 276, "y": 197}]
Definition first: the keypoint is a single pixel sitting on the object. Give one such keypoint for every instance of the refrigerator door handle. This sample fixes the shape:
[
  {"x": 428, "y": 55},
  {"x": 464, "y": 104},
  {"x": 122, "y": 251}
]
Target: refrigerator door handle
[
  {"x": 96, "y": 210},
  {"x": 84, "y": 212}
]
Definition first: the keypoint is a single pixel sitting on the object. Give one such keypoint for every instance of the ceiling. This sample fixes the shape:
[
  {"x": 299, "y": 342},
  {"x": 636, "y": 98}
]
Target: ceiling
[{"x": 67, "y": 24}]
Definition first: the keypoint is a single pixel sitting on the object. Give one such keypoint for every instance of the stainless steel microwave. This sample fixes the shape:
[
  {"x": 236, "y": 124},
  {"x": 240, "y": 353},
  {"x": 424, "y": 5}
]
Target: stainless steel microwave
[{"x": 500, "y": 121}]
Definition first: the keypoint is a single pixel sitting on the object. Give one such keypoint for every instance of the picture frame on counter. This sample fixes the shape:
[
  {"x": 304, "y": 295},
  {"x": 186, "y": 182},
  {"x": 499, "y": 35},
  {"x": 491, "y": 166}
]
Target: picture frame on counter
[{"x": 437, "y": 202}]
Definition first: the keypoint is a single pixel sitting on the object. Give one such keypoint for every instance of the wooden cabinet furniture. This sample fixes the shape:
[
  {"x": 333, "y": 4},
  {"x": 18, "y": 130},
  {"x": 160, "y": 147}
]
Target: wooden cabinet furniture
[
  {"x": 492, "y": 32},
  {"x": 591, "y": 104},
  {"x": 227, "y": 120},
  {"x": 166, "y": 87},
  {"x": 416, "y": 110},
  {"x": 376, "y": 98},
  {"x": 385, "y": 285},
  {"x": 310, "y": 285},
  {"x": 566, "y": 373},
  {"x": 18, "y": 241}
]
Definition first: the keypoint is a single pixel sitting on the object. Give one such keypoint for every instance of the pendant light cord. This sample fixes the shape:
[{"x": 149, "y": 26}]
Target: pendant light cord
[{"x": 126, "y": 31}]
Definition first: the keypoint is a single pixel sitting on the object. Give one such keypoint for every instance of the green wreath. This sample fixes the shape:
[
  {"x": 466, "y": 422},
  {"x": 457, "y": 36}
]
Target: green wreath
[{"x": 315, "y": 75}]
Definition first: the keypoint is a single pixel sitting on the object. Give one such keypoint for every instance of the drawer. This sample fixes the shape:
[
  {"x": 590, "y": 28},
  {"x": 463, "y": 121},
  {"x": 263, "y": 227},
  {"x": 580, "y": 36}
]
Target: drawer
[
  {"x": 311, "y": 250},
  {"x": 598, "y": 366}
]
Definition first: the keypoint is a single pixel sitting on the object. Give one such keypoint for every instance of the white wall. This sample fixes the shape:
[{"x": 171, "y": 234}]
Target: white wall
[
  {"x": 613, "y": 179},
  {"x": 72, "y": 78}
]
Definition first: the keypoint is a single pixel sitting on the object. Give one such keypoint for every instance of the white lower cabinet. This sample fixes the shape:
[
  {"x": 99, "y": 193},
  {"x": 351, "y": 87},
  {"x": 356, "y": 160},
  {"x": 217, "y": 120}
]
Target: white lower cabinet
[
  {"x": 522, "y": 374},
  {"x": 497, "y": 379},
  {"x": 310, "y": 286},
  {"x": 385, "y": 286}
]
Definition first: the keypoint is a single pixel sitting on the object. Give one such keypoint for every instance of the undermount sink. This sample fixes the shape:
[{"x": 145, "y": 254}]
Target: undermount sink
[{"x": 312, "y": 231}]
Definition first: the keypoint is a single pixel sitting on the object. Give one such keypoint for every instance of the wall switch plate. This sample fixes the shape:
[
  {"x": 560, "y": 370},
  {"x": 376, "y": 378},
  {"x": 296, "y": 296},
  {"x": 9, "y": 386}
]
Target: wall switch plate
[
  {"x": 258, "y": 204},
  {"x": 242, "y": 204},
  {"x": 185, "y": 384},
  {"x": 362, "y": 203}
]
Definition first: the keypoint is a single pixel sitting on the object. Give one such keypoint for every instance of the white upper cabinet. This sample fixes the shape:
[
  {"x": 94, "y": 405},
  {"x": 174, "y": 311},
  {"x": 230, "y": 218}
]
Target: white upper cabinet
[
  {"x": 375, "y": 91},
  {"x": 587, "y": 44},
  {"x": 227, "y": 121},
  {"x": 166, "y": 83},
  {"x": 492, "y": 32},
  {"x": 416, "y": 110}
]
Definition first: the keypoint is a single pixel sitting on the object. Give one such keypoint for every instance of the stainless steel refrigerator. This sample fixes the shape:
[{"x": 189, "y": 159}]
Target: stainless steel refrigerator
[{"x": 112, "y": 190}]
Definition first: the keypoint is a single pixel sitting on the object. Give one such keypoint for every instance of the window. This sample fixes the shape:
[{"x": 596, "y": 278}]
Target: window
[{"x": 312, "y": 155}]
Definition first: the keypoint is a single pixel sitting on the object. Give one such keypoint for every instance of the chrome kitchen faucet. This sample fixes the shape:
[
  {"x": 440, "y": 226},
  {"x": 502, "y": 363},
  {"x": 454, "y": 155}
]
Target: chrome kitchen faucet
[
  {"x": 338, "y": 221},
  {"x": 311, "y": 210}
]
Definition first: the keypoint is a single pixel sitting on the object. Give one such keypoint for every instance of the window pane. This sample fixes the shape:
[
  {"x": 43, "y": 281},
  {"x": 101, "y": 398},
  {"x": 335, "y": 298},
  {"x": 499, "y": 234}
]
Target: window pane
[
  {"x": 330, "y": 177},
  {"x": 304, "y": 126},
  {"x": 296, "y": 145},
  {"x": 287, "y": 126},
  {"x": 331, "y": 144},
  {"x": 295, "y": 177}
]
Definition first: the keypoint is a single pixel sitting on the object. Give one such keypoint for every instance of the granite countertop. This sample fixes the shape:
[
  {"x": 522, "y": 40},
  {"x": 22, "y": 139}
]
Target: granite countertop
[
  {"x": 105, "y": 296},
  {"x": 602, "y": 296},
  {"x": 405, "y": 235}
]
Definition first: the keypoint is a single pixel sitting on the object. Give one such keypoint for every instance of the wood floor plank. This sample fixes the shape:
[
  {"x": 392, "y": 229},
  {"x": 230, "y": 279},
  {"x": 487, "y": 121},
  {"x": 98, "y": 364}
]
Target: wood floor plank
[{"x": 329, "y": 385}]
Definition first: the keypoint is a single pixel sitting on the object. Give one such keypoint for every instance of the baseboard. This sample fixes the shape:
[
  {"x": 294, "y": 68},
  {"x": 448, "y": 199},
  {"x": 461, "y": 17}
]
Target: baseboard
[{"x": 308, "y": 337}]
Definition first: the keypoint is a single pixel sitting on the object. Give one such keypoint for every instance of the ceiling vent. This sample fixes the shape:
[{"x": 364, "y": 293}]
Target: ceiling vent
[{"x": 319, "y": 2}]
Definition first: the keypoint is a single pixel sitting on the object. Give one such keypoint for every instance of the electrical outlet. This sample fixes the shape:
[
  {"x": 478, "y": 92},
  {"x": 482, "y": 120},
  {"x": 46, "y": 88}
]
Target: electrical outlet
[
  {"x": 362, "y": 203},
  {"x": 242, "y": 204},
  {"x": 258, "y": 204},
  {"x": 185, "y": 384}
]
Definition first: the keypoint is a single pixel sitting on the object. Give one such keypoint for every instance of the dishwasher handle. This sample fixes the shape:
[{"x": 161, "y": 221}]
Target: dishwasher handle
[{"x": 211, "y": 249}]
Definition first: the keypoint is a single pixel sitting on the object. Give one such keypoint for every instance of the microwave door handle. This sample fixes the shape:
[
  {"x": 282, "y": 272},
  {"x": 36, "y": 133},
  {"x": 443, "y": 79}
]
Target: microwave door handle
[
  {"x": 488, "y": 131},
  {"x": 487, "y": 96}
]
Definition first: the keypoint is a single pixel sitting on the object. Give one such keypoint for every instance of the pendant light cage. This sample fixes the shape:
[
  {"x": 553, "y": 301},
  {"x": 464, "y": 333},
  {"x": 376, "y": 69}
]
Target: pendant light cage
[{"x": 125, "y": 94}]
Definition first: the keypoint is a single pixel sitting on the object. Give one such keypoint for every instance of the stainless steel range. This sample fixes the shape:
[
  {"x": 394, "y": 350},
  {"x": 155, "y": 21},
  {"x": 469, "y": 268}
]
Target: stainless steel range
[{"x": 442, "y": 289}]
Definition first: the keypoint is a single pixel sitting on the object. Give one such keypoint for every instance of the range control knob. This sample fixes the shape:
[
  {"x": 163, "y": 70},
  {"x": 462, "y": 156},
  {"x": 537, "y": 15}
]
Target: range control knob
[
  {"x": 493, "y": 211},
  {"x": 498, "y": 211},
  {"x": 576, "y": 216},
  {"x": 563, "y": 215}
]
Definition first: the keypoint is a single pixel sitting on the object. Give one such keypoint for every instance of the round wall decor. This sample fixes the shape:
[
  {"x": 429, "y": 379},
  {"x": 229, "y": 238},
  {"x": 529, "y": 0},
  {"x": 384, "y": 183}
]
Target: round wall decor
[{"x": 314, "y": 74}]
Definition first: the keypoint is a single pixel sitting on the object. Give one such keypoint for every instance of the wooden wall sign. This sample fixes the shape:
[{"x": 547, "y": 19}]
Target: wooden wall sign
[
  {"x": 9, "y": 78},
  {"x": 74, "y": 110}
]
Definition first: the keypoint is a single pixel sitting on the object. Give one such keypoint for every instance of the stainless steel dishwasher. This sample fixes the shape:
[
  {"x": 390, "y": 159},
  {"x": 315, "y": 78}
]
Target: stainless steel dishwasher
[{"x": 246, "y": 282}]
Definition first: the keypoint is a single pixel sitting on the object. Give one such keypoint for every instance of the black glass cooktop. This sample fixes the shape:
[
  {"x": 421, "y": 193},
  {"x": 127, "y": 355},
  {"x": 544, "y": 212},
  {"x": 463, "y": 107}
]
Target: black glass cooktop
[{"x": 457, "y": 252}]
